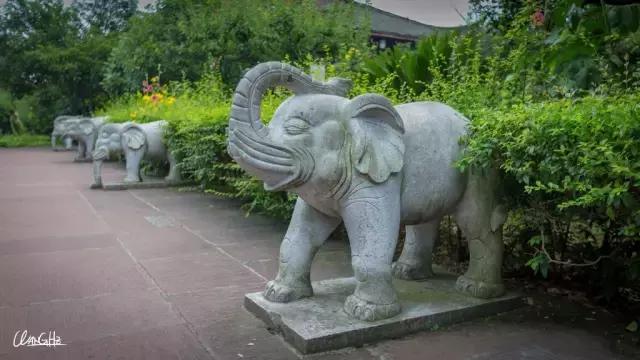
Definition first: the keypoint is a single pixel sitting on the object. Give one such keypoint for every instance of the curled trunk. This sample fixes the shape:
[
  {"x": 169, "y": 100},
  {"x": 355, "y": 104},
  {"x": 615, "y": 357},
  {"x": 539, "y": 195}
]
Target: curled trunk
[
  {"x": 245, "y": 109},
  {"x": 98, "y": 156},
  {"x": 280, "y": 167}
]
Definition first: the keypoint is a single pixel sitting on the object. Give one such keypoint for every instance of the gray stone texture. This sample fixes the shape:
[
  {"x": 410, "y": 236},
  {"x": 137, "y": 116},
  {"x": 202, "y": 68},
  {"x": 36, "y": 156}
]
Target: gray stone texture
[
  {"x": 60, "y": 126},
  {"x": 373, "y": 167},
  {"x": 319, "y": 323},
  {"x": 84, "y": 131},
  {"x": 136, "y": 142}
]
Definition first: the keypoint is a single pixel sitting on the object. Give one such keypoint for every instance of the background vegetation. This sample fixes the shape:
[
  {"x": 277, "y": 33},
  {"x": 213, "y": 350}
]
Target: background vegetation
[{"x": 551, "y": 89}]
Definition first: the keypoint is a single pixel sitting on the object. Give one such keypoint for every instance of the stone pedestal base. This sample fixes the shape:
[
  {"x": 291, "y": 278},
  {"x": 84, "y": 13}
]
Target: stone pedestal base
[
  {"x": 319, "y": 324},
  {"x": 146, "y": 183}
]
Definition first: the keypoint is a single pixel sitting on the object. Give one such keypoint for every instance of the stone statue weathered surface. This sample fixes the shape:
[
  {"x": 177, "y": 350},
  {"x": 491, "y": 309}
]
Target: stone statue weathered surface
[
  {"x": 375, "y": 167},
  {"x": 60, "y": 125},
  {"x": 136, "y": 142},
  {"x": 85, "y": 131}
]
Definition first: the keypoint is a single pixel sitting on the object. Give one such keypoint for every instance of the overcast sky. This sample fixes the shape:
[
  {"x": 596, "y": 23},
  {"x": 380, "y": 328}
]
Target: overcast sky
[{"x": 432, "y": 12}]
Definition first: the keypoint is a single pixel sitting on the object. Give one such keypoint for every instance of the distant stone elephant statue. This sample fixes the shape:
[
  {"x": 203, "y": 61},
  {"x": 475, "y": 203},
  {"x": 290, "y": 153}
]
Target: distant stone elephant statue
[
  {"x": 85, "y": 131},
  {"x": 136, "y": 142},
  {"x": 60, "y": 125},
  {"x": 374, "y": 167}
]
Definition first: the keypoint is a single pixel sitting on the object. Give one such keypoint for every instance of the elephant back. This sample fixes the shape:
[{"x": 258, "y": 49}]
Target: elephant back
[
  {"x": 98, "y": 121},
  {"x": 62, "y": 118},
  {"x": 63, "y": 124},
  {"x": 112, "y": 128},
  {"x": 87, "y": 126}
]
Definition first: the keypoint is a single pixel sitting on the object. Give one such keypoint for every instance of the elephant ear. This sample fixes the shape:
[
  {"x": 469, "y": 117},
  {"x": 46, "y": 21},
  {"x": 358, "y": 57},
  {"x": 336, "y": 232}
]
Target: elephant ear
[
  {"x": 376, "y": 130},
  {"x": 133, "y": 137}
]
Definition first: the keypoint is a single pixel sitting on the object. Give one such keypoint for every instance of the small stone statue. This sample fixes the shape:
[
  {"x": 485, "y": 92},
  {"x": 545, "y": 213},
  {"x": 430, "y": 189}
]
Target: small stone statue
[
  {"x": 84, "y": 131},
  {"x": 136, "y": 142},
  {"x": 60, "y": 125},
  {"x": 373, "y": 166}
]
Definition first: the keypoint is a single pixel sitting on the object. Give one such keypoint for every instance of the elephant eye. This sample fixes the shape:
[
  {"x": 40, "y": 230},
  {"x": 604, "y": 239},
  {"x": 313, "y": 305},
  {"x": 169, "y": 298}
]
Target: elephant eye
[{"x": 296, "y": 126}]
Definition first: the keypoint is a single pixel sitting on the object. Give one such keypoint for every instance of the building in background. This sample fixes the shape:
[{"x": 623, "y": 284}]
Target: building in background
[{"x": 405, "y": 21}]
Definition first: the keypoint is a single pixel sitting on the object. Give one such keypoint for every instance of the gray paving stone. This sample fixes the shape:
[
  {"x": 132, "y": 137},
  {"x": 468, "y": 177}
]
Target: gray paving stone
[{"x": 38, "y": 277}]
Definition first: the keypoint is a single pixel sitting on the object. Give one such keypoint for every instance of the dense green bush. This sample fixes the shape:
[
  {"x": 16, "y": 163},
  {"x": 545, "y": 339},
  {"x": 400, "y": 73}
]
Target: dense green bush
[
  {"x": 24, "y": 140},
  {"x": 574, "y": 167}
]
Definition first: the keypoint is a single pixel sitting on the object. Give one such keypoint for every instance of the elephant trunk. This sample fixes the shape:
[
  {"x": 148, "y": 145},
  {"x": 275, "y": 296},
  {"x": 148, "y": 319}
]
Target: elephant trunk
[
  {"x": 97, "y": 173},
  {"x": 68, "y": 142},
  {"x": 99, "y": 155},
  {"x": 54, "y": 136},
  {"x": 245, "y": 108},
  {"x": 249, "y": 143}
]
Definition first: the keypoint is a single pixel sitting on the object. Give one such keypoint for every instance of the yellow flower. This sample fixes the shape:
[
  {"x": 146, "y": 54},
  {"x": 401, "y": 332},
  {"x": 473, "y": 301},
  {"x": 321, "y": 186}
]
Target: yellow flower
[
  {"x": 146, "y": 98},
  {"x": 133, "y": 115},
  {"x": 170, "y": 100}
]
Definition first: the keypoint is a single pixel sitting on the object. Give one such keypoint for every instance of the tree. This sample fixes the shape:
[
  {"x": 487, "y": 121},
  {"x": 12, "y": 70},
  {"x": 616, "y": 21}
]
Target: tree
[
  {"x": 105, "y": 15},
  {"x": 181, "y": 38},
  {"x": 50, "y": 60}
]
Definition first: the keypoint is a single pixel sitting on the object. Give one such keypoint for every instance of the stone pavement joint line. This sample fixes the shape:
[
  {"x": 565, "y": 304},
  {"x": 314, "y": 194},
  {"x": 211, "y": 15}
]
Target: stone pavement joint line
[
  {"x": 199, "y": 236},
  {"x": 148, "y": 277}
]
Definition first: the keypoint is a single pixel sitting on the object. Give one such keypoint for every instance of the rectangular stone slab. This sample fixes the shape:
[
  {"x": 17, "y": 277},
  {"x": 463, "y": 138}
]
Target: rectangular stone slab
[
  {"x": 147, "y": 183},
  {"x": 319, "y": 323}
]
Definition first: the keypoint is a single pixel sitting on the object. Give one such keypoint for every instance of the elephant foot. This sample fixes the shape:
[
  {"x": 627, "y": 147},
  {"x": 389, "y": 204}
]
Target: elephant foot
[
  {"x": 367, "y": 311},
  {"x": 275, "y": 291},
  {"x": 478, "y": 288},
  {"x": 405, "y": 271}
]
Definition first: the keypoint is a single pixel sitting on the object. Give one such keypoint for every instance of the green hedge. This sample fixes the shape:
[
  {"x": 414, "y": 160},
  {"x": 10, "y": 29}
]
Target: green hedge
[
  {"x": 25, "y": 140},
  {"x": 573, "y": 166}
]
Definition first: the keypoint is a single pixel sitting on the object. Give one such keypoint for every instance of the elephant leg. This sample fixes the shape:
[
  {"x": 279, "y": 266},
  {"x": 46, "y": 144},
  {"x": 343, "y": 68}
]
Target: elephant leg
[
  {"x": 90, "y": 142},
  {"x": 372, "y": 221},
  {"x": 174, "y": 174},
  {"x": 68, "y": 143},
  {"x": 417, "y": 254},
  {"x": 307, "y": 231},
  {"x": 480, "y": 218},
  {"x": 53, "y": 141},
  {"x": 133, "y": 158},
  {"x": 80, "y": 154}
]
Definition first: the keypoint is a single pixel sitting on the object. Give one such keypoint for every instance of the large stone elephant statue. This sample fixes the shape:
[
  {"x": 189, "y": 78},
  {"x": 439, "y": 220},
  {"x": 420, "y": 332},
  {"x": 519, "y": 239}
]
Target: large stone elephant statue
[
  {"x": 374, "y": 167},
  {"x": 85, "y": 131},
  {"x": 60, "y": 125},
  {"x": 136, "y": 142}
]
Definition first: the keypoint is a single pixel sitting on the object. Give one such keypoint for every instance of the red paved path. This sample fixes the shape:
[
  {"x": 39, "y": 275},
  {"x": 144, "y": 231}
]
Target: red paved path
[{"x": 160, "y": 274}]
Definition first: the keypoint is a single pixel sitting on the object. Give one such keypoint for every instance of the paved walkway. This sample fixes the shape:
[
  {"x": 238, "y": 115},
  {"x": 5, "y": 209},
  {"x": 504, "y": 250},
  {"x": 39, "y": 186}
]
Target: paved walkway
[{"x": 160, "y": 274}]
